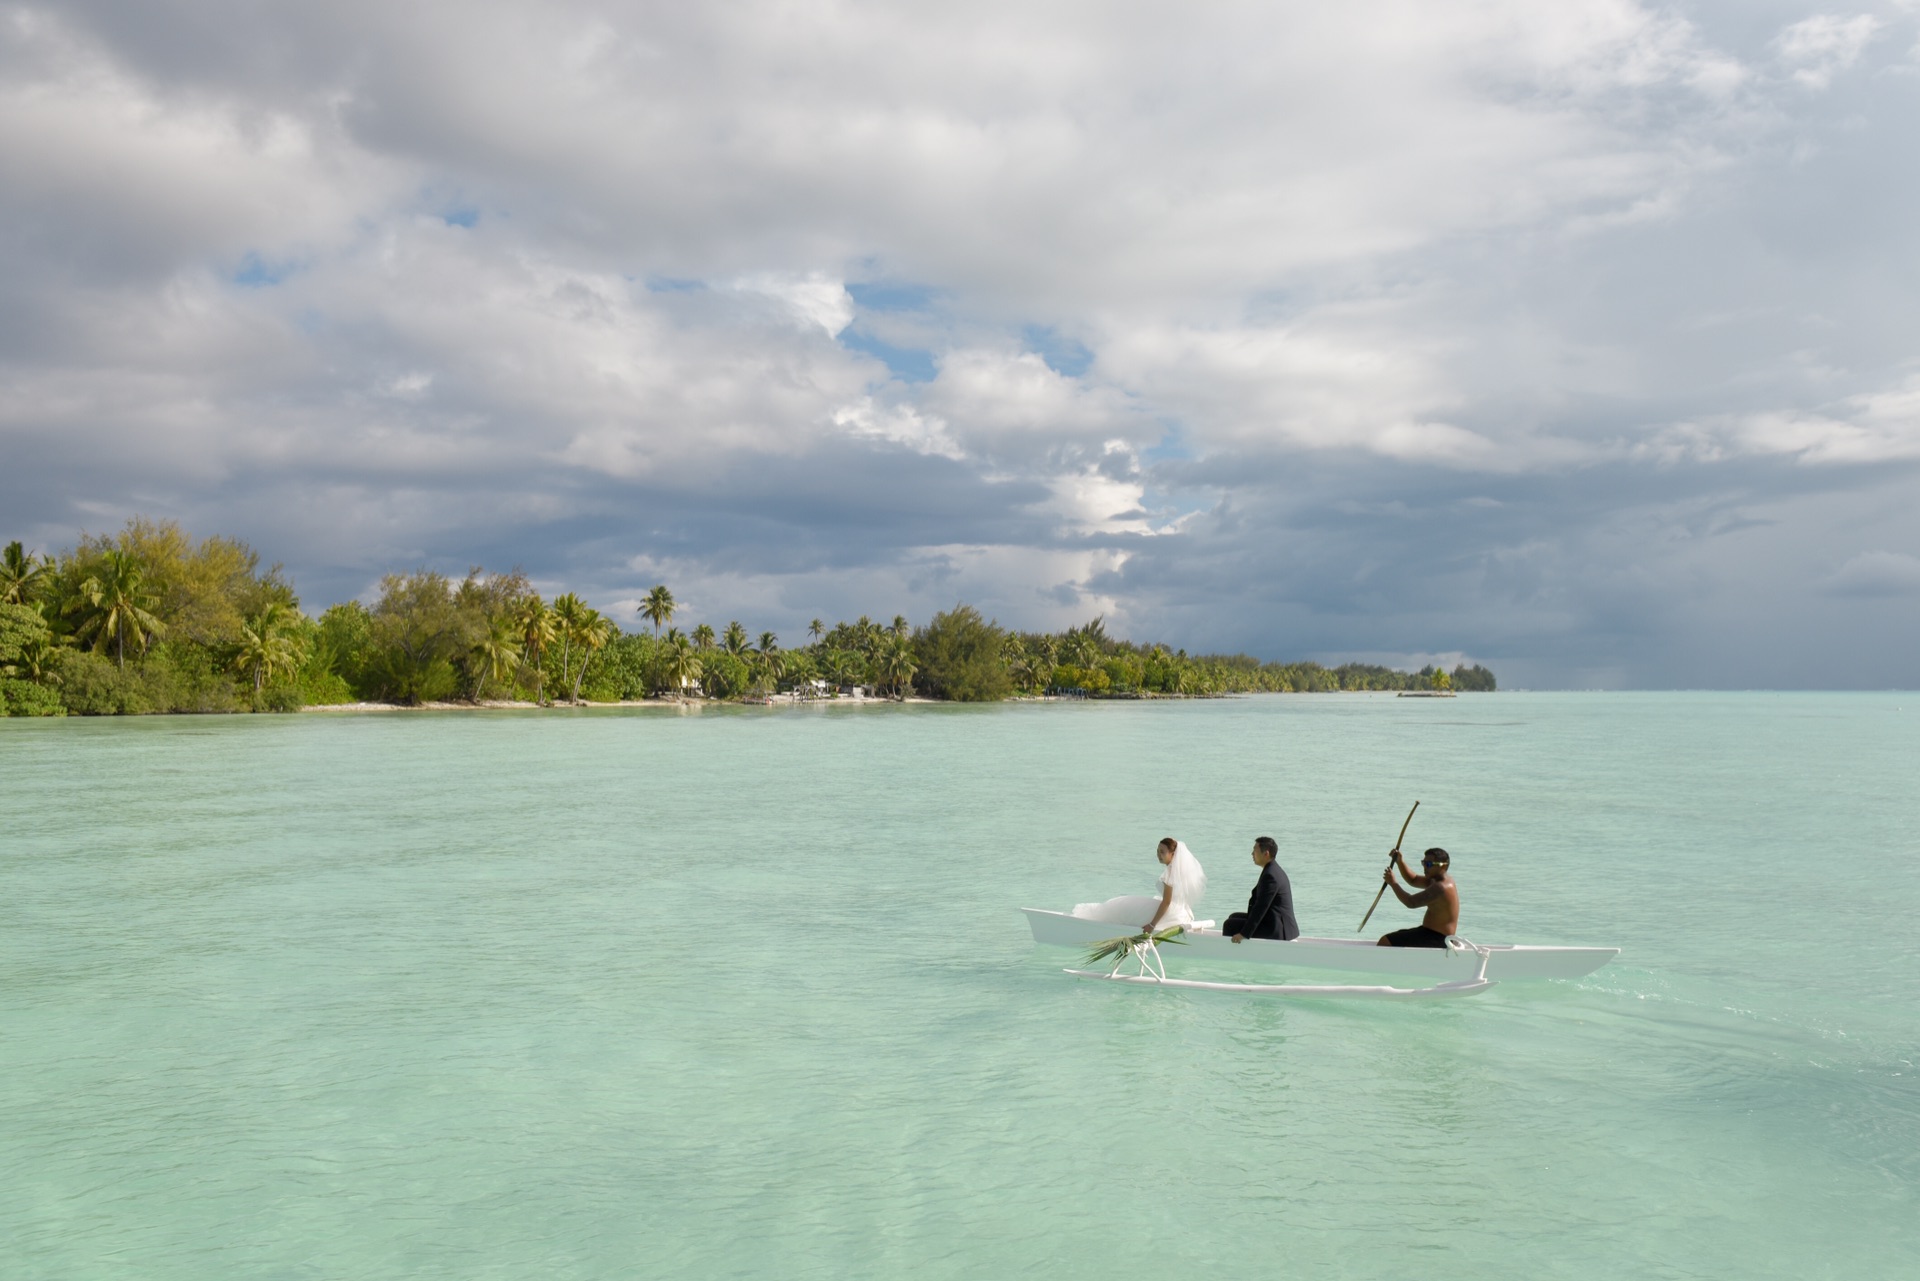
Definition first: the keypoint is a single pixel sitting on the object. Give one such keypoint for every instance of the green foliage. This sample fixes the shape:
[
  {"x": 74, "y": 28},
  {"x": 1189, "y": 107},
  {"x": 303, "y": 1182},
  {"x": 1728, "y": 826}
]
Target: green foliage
[
  {"x": 401, "y": 677},
  {"x": 1093, "y": 680},
  {"x": 604, "y": 682},
  {"x": 658, "y": 608},
  {"x": 318, "y": 687},
  {"x": 342, "y": 647},
  {"x": 1476, "y": 678},
  {"x": 624, "y": 670},
  {"x": 28, "y": 698},
  {"x": 23, "y": 575},
  {"x": 581, "y": 632},
  {"x": 27, "y": 658},
  {"x": 170, "y": 624},
  {"x": 724, "y": 675},
  {"x": 534, "y": 627},
  {"x": 284, "y": 697},
  {"x": 415, "y": 632},
  {"x": 798, "y": 669},
  {"x": 174, "y": 678},
  {"x": 495, "y": 656},
  {"x": 203, "y": 592},
  {"x": 1119, "y": 949},
  {"x": 23, "y": 629},
  {"x": 1123, "y": 671},
  {"x": 197, "y": 679},
  {"x": 270, "y": 644},
  {"x": 961, "y": 657},
  {"x": 430, "y": 642},
  {"x": 841, "y": 667},
  {"x": 894, "y": 663},
  {"x": 112, "y": 605},
  {"x": 680, "y": 666},
  {"x": 91, "y": 685}
]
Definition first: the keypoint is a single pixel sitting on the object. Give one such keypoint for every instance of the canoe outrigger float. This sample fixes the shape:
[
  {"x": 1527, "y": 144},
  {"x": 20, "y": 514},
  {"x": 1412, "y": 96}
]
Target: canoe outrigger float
[{"x": 1462, "y": 968}]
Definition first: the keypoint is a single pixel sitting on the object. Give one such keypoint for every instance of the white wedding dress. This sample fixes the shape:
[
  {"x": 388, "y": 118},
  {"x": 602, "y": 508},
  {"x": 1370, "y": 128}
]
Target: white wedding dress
[{"x": 1189, "y": 884}]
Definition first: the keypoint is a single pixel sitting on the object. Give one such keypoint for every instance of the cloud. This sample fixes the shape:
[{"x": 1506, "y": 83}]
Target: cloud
[
  {"x": 813, "y": 299},
  {"x": 1873, "y": 427},
  {"x": 1877, "y": 574},
  {"x": 1532, "y": 332},
  {"x": 1820, "y": 47},
  {"x": 1009, "y": 405}
]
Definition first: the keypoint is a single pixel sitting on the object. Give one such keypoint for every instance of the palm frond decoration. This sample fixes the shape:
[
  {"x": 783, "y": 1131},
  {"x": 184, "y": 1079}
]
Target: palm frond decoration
[{"x": 1119, "y": 949}]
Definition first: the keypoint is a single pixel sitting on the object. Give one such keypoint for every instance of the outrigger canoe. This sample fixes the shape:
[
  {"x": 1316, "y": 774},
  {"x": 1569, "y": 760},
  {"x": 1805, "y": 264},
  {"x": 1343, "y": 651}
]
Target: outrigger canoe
[{"x": 1460, "y": 968}]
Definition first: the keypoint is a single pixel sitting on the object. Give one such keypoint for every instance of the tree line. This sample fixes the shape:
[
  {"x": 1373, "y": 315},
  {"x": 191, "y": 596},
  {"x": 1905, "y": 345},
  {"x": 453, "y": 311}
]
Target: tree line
[{"x": 150, "y": 620}]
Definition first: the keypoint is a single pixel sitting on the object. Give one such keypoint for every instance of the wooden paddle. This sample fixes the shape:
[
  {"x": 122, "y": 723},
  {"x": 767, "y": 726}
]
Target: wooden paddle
[{"x": 1383, "y": 884}]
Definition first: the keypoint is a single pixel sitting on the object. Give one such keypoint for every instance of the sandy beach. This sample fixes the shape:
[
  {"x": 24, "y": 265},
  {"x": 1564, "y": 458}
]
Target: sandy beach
[{"x": 489, "y": 705}]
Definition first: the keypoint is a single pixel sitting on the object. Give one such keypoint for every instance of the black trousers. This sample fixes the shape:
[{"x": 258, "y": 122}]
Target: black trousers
[{"x": 1237, "y": 924}]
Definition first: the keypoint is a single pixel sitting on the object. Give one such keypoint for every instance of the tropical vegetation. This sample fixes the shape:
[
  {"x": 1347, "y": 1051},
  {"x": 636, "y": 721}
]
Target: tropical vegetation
[{"x": 150, "y": 620}]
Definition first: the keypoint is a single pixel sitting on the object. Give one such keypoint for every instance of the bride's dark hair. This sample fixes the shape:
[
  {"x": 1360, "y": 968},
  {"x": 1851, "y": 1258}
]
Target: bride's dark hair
[{"x": 1167, "y": 843}]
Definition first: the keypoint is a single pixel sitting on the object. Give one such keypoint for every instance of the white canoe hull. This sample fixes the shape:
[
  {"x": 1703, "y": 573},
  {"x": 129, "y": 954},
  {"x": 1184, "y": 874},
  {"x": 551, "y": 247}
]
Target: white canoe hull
[{"x": 1505, "y": 963}]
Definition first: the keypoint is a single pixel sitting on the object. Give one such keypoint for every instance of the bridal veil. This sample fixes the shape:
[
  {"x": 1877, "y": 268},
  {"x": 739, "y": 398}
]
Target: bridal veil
[{"x": 1189, "y": 882}]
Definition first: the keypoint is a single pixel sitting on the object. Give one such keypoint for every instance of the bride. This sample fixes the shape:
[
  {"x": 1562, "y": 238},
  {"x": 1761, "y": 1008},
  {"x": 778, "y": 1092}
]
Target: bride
[{"x": 1182, "y": 886}]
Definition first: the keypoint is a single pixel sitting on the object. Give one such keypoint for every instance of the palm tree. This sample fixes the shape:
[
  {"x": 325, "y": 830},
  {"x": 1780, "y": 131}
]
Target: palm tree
[
  {"x": 114, "y": 600},
  {"x": 496, "y": 654},
  {"x": 593, "y": 634},
  {"x": 1082, "y": 648},
  {"x": 35, "y": 661},
  {"x": 683, "y": 665},
  {"x": 535, "y": 623},
  {"x": 1025, "y": 668},
  {"x": 657, "y": 609},
  {"x": 816, "y": 629},
  {"x": 895, "y": 665},
  {"x": 703, "y": 638},
  {"x": 265, "y": 647},
  {"x": 901, "y": 627},
  {"x": 840, "y": 667},
  {"x": 22, "y": 575},
  {"x": 734, "y": 639},
  {"x": 770, "y": 660},
  {"x": 569, "y": 613}
]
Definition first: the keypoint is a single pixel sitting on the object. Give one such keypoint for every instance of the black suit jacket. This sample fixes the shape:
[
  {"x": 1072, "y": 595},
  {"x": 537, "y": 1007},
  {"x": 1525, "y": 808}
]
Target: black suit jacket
[{"x": 1270, "y": 909}]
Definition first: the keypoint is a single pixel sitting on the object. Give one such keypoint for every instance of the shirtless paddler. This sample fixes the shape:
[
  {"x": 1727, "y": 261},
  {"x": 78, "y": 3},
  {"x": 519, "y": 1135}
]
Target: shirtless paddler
[{"x": 1436, "y": 892}]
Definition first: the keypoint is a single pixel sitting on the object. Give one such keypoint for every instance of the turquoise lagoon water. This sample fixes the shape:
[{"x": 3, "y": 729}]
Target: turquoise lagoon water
[{"x": 745, "y": 993}]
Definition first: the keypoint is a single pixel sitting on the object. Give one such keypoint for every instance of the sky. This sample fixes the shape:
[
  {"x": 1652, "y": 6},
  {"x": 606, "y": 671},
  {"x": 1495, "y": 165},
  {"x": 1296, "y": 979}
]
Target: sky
[{"x": 1578, "y": 339}]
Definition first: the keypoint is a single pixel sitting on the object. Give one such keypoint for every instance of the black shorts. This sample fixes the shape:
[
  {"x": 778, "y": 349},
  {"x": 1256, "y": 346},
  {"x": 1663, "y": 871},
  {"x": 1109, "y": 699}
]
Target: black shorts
[{"x": 1416, "y": 936}]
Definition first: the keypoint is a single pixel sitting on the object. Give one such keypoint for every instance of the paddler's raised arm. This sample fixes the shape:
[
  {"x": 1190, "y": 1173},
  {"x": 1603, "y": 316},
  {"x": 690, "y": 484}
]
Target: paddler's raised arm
[
  {"x": 1413, "y": 877},
  {"x": 1421, "y": 899}
]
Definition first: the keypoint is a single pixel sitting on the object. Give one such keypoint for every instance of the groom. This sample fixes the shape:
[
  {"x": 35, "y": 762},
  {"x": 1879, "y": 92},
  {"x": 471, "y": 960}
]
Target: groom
[{"x": 1269, "y": 913}]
